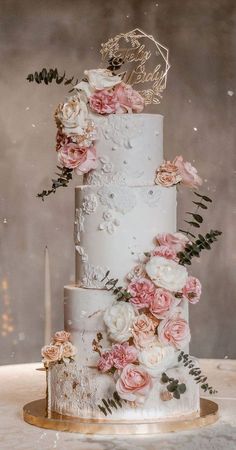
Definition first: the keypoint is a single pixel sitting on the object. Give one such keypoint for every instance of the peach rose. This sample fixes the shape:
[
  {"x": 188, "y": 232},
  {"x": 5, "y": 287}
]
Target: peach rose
[
  {"x": 68, "y": 350},
  {"x": 123, "y": 354},
  {"x": 103, "y": 102},
  {"x": 74, "y": 157},
  {"x": 188, "y": 173},
  {"x": 175, "y": 241},
  {"x": 51, "y": 353},
  {"x": 163, "y": 303},
  {"x": 192, "y": 290},
  {"x": 174, "y": 330},
  {"x": 166, "y": 252},
  {"x": 143, "y": 331},
  {"x": 142, "y": 292},
  {"x": 167, "y": 179},
  {"x": 61, "y": 336},
  {"x": 134, "y": 384},
  {"x": 105, "y": 362},
  {"x": 136, "y": 273},
  {"x": 129, "y": 100}
]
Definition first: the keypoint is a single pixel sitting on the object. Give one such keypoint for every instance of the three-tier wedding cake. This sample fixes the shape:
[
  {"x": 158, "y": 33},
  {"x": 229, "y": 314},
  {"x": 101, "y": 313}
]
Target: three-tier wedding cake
[{"x": 123, "y": 352}]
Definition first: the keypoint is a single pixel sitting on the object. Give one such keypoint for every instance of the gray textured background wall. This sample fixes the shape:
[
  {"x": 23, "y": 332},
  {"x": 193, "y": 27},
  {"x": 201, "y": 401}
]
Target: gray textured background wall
[{"x": 199, "y": 110}]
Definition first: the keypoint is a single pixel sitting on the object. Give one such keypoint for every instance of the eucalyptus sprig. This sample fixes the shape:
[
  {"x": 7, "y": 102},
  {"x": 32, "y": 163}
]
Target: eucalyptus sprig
[
  {"x": 112, "y": 285},
  {"x": 196, "y": 372},
  {"x": 196, "y": 218},
  {"x": 64, "y": 177},
  {"x": 107, "y": 404},
  {"x": 195, "y": 247},
  {"x": 174, "y": 386},
  {"x": 47, "y": 76}
]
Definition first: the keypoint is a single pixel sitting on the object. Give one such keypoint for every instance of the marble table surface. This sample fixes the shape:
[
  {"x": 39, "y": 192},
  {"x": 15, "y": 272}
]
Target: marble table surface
[{"x": 20, "y": 384}]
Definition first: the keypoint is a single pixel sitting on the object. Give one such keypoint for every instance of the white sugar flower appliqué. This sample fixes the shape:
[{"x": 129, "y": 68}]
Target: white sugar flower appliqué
[
  {"x": 89, "y": 204},
  {"x": 110, "y": 223}
]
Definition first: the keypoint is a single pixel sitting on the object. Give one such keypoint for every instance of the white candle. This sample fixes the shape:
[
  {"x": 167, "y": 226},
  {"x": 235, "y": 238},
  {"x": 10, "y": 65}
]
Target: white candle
[{"x": 47, "y": 299}]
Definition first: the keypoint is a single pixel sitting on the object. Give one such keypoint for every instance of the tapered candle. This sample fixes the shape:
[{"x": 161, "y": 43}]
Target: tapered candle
[{"x": 47, "y": 299}]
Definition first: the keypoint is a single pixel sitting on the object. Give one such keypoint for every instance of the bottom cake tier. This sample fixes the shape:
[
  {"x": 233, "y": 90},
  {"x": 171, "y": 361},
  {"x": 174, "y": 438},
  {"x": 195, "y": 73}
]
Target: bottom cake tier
[
  {"x": 77, "y": 388},
  {"x": 78, "y": 391}
]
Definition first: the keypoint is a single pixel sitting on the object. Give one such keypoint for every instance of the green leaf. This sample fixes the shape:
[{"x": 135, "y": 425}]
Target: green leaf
[
  {"x": 182, "y": 388},
  {"x": 194, "y": 224},
  {"x": 176, "y": 394},
  {"x": 200, "y": 205},
  {"x": 204, "y": 197},
  {"x": 164, "y": 378}
]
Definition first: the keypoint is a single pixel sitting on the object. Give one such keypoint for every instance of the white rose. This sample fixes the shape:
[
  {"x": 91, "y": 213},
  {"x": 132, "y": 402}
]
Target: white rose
[
  {"x": 166, "y": 273},
  {"x": 156, "y": 359},
  {"x": 72, "y": 115},
  {"x": 102, "y": 79},
  {"x": 119, "y": 320}
]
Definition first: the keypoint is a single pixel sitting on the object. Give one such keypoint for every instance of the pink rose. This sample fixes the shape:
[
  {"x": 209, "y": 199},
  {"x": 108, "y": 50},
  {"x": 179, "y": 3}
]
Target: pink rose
[
  {"x": 74, "y": 157},
  {"x": 105, "y": 362},
  {"x": 143, "y": 331},
  {"x": 174, "y": 331},
  {"x": 163, "y": 303},
  {"x": 165, "y": 252},
  {"x": 176, "y": 241},
  {"x": 103, "y": 102},
  {"x": 188, "y": 173},
  {"x": 142, "y": 292},
  {"x": 51, "y": 353},
  {"x": 123, "y": 354},
  {"x": 134, "y": 384},
  {"x": 61, "y": 336},
  {"x": 192, "y": 290},
  {"x": 129, "y": 100}
]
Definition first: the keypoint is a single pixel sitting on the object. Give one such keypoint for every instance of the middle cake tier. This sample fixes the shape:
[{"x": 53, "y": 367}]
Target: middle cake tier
[{"x": 115, "y": 225}]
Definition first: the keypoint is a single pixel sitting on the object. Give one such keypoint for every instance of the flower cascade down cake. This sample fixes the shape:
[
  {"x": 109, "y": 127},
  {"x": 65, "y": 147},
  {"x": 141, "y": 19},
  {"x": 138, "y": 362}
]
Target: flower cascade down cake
[{"x": 123, "y": 353}]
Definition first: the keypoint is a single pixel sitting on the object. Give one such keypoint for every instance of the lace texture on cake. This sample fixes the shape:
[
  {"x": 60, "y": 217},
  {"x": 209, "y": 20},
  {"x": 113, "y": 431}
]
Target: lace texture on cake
[{"x": 120, "y": 198}]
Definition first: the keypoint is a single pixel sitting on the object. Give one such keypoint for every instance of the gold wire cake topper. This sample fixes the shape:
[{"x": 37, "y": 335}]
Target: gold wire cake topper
[{"x": 135, "y": 49}]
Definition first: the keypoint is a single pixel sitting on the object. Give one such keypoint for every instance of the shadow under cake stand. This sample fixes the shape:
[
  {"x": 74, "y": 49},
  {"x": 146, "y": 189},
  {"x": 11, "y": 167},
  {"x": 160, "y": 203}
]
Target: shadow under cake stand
[{"x": 35, "y": 413}]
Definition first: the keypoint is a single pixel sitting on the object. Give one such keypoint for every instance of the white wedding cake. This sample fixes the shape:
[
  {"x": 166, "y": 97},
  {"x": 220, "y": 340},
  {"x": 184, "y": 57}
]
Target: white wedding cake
[{"x": 123, "y": 352}]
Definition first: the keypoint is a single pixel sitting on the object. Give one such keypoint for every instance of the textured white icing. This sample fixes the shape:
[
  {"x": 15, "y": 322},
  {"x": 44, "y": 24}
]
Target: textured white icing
[
  {"x": 76, "y": 391},
  {"x": 134, "y": 216},
  {"x": 129, "y": 149}
]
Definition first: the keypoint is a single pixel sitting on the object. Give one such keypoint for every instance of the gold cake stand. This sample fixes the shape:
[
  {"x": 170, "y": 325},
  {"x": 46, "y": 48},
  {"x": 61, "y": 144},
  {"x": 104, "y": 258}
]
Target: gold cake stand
[{"x": 35, "y": 414}]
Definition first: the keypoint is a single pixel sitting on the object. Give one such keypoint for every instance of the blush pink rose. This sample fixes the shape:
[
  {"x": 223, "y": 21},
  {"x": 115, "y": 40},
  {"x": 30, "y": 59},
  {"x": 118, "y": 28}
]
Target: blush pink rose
[
  {"x": 61, "y": 336},
  {"x": 192, "y": 290},
  {"x": 163, "y": 303},
  {"x": 134, "y": 384},
  {"x": 129, "y": 100},
  {"x": 165, "y": 252},
  {"x": 78, "y": 158},
  {"x": 105, "y": 362},
  {"x": 123, "y": 354},
  {"x": 167, "y": 179},
  {"x": 143, "y": 331},
  {"x": 142, "y": 292},
  {"x": 174, "y": 331},
  {"x": 188, "y": 173},
  {"x": 103, "y": 102},
  {"x": 175, "y": 241}
]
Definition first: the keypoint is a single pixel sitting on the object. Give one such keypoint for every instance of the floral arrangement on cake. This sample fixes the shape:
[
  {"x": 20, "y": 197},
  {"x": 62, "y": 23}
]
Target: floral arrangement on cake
[
  {"x": 60, "y": 349},
  {"x": 101, "y": 92}
]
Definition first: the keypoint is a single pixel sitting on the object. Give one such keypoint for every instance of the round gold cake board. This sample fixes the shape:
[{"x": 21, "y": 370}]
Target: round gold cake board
[{"x": 35, "y": 414}]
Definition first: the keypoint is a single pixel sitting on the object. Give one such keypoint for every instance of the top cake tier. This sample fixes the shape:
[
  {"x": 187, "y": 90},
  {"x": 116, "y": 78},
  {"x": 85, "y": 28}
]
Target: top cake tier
[{"x": 129, "y": 149}]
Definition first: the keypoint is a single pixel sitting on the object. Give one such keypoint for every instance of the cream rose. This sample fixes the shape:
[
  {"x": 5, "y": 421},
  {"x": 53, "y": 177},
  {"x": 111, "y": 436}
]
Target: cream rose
[
  {"x": 166, "y": 273},
  {"x": 51, "y": 353},
  {"x": 61, "y": 336},
  {"x": 119, "y": 319},
  {"x": 72, "y": 115},
  {"x": 100, "y": 79},
  {"x": 143, "y": 331},
  {"x": 68, "y": 350},
  {"x": 156, "y": 359}
]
